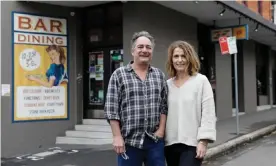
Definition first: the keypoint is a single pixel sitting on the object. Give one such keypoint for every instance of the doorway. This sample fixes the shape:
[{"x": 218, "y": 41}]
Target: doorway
[
  {"x": 206, "y": 53},
  {"x": 103, "y": 53}
]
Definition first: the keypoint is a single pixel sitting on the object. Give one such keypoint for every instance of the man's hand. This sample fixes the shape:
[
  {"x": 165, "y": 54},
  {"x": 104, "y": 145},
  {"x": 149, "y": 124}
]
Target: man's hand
[
  {"x": 201, "y": 149},
  {"x": 119, "y": 144},
  {"x": 159, "y": 133}
]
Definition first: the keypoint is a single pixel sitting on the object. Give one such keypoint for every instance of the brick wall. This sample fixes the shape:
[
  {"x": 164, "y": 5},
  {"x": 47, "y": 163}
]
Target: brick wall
[
  {"x": 266, "y": 12},
  {"x": 253, "y": 5},
  {"x": 262, "y": 7},
  {"x": 240, "y": 1}
]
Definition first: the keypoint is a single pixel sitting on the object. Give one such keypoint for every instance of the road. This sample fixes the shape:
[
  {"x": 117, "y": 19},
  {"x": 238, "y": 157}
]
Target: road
[{"x": 259, "y": 153}]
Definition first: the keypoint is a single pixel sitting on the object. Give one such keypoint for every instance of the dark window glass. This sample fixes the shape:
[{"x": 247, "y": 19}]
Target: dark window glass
[{"x": 262, "y": 69}]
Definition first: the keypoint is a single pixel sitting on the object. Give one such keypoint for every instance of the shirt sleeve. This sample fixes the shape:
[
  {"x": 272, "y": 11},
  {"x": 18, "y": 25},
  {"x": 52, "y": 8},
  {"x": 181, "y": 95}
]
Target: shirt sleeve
[
  {"x": 111, "y": 109},
  {"x": 50, "y": 74},
  {"x": 164, "y": 97},
  {"x": 207, "y": 129}
]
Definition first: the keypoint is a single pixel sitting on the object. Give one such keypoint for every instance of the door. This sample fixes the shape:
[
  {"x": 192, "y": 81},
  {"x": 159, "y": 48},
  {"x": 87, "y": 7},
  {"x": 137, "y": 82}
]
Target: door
[
  {"x": 103, "y": 35},
  {"x": 99, "y": 65}
]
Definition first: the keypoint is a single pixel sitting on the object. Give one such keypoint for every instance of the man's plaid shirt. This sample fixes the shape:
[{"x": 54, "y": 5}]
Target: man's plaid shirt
[{"x": 137, "y": 104}]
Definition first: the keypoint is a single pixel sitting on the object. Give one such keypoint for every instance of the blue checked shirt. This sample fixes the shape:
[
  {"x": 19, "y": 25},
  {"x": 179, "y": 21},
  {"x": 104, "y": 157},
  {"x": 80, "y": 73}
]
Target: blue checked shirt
[{"x": 136, "y": 104}]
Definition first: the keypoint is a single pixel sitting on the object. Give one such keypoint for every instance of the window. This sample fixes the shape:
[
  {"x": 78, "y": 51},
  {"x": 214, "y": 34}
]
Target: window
[
  {"x": 245, "y": 3},
  {"x": 104, "y": 25},
  {"x": 260, "y": 7},
  {"x": 262, "y": 69}
]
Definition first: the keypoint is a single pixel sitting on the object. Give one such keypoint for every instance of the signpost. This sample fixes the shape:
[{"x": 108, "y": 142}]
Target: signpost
[
  {"x": 232, "y": 44},
  {"x": 227, "y": 38}
]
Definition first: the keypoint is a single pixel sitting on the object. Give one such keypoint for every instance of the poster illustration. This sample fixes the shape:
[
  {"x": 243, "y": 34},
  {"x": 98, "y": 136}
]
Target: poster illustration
[{"x": 40, "y": 70}]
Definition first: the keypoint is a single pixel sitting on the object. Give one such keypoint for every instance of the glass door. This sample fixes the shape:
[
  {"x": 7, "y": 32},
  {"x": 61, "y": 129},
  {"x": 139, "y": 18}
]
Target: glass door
[
  {"x": 117, "y": 61},
  {"x": 96, "y": 78},
  {"x": 100, "y": 64}
]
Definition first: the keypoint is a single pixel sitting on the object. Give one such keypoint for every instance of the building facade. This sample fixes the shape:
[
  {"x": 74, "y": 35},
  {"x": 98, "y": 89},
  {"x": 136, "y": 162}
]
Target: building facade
[{"x": 96, "y": 39}]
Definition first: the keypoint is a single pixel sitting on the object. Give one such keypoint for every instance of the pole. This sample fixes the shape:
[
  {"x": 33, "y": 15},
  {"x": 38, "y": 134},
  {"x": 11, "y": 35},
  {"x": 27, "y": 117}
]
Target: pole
[
  {"x": 270, "y": 63},
  {"x": 236, "y": 92}
]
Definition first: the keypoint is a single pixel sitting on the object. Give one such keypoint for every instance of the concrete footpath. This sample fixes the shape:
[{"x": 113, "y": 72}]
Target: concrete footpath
[{"x": 251, "y": 126}]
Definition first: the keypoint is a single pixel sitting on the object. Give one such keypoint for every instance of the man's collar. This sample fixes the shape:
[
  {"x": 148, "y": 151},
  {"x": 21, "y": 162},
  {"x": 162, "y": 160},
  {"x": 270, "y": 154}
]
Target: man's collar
[{"x": 129, "y": 66}]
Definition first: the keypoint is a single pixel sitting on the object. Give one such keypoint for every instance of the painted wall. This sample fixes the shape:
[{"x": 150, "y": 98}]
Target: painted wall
[
  {"x": 249, "y": 77},
  {"x": 20, "y": 138},
  {"x": 164, "y": 24},
  {"x": 223, "y": 85}
]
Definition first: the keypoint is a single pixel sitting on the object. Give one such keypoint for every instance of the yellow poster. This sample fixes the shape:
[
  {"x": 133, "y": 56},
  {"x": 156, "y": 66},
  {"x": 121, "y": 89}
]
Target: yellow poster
[
  {"x": 240, "y": 32},
  {"x": 40, "y": 70}
]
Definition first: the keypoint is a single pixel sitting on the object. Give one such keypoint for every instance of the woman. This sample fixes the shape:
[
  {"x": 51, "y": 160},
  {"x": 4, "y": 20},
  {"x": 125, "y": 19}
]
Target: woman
[
  {"x": 56, "y": 74},
  {"x": 191, "y": 121}
]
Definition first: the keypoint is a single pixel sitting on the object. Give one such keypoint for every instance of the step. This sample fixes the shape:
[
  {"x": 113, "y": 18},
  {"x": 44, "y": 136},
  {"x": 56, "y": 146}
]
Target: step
[
  {"x": 82, "y": 141},
  {"x": 95, "y": 122},
  {"x": 89, "y": 134},
  {"x": 93, "y": 128}
]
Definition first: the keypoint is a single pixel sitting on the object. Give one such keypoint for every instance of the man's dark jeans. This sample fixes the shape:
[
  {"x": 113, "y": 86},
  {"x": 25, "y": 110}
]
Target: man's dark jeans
[{"x": 152, "y": 154}]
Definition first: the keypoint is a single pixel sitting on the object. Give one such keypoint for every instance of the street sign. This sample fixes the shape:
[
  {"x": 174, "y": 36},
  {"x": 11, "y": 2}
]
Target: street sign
[
  {"x": 228, "y": 45},
  {"x": 232, "y": 45},
  {"x": 224, "y": 48}
]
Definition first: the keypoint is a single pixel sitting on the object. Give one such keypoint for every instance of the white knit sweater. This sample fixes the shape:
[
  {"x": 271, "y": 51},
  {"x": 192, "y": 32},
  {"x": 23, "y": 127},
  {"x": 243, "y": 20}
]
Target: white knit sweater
[{"x": 191, "y": 113}]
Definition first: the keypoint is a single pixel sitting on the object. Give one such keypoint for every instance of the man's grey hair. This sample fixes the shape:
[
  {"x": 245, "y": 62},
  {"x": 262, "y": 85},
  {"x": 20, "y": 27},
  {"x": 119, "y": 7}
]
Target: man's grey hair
[{"x": 136, "y": 35}]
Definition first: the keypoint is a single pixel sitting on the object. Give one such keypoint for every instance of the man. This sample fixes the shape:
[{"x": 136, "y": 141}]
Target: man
[{"x": 136, "y": 107}]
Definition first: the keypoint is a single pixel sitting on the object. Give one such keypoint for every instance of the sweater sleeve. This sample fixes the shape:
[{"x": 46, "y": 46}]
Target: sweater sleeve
[{"x": 207, "y": 129}]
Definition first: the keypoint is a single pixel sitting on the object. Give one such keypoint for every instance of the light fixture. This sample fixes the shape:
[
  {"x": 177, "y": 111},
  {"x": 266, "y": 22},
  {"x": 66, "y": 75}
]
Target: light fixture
[
  {"x": 222, "y": 12},
  {"x": 196, "y": 2},
  {"x": 256, "y": 29}
]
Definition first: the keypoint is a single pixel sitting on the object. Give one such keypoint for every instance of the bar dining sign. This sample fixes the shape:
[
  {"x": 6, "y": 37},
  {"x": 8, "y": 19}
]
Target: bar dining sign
[{"x": 40, "y": 68}]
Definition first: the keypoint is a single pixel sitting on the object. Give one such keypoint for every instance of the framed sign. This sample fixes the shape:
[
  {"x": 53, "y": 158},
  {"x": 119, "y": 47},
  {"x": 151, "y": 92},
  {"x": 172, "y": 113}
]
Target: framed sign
[{"x": 39, "y": 68}]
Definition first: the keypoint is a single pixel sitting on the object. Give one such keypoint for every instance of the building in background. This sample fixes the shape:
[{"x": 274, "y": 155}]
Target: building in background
[
  {"x": 273, "y": 11},
  {"x": 93, "y": 39}
]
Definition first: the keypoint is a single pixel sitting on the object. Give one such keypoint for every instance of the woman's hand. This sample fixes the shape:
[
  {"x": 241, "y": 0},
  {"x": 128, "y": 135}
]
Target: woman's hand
[
  {"x": 31, "y": 77},
  {"x": 201, "y": 149}
]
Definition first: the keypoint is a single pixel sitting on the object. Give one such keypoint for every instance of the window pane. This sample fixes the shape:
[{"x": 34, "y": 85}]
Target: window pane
[
  {"x": 95, "y": 18},
  {"x": 96, "y": 78},
  {"x": 114, "y": 15}
]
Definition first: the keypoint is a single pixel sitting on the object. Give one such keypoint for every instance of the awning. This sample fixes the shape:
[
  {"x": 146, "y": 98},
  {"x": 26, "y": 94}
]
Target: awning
[
  {"x": 233, "y": 14},
  {"x": 208, "y": 11}
]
